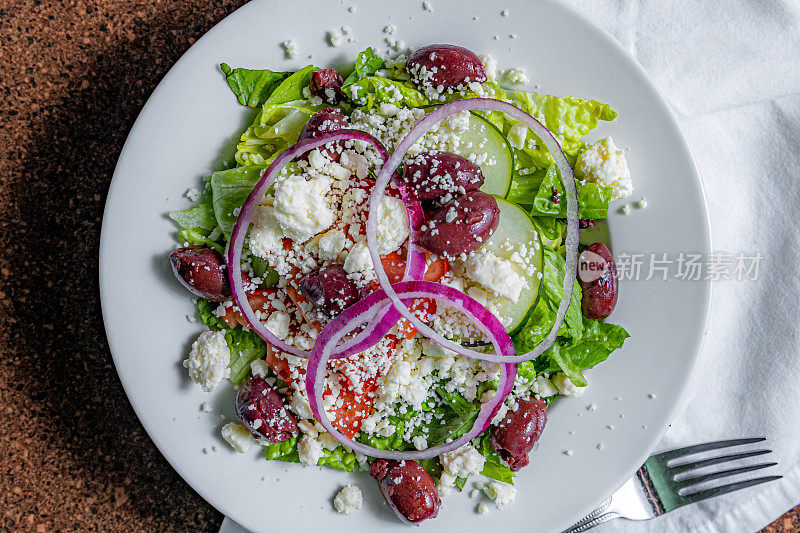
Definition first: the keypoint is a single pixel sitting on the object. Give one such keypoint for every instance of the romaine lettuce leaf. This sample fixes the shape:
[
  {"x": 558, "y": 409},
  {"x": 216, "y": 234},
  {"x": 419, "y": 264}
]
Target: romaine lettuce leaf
[
  {"x": 341, "y": 458},
  {"x": 593, "y": 199},
  {"x": 252, "y": 87},
  {"x": 494, "y": 467},
  {"x": 276, "y": 128},
  {"x": 367, "y": 64},
  {"x": 230, "y": 188},
  {"x": 246, "y": 347},
  {"x": 291, "y": 88},
  {"x": 371, "y": 91},
  {"x": 205, "y": 311}
]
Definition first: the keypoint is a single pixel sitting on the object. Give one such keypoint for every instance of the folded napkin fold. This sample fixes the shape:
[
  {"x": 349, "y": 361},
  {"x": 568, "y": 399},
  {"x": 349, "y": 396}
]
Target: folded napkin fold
[{"x": 731, "y": 70}]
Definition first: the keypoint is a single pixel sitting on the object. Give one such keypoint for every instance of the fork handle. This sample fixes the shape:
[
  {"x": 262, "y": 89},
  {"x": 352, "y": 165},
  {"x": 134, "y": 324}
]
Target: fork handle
[
  {"x": 591, "y": 517},
  {"x": 584, "y": 525}
]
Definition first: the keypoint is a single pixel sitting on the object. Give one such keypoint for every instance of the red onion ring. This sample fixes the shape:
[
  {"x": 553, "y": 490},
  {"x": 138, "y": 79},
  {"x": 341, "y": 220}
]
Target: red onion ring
[
  {"x": 567, "y": 178},
  {"x": 415, "y": 262},
  {"x": 360, "y": 312}
]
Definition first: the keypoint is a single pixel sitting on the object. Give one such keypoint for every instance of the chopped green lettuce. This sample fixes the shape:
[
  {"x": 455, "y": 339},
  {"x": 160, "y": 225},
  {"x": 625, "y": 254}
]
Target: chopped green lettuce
[
  {"x": 276, "y": 128},
  {"x": 230, "y": 188},
  {"x": 252, "y": 87},
  {"x": 341, "y": 458},
  {"x": 367, "y": 64},
  {"x": 291, "y": 89},
  {"x": 372, "y": 91},
  {"x": 246, "y": 347}
]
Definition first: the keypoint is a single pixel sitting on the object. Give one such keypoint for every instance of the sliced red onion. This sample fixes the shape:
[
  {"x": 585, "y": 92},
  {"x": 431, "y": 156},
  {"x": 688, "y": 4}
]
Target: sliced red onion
[
  {"x": 415, "y": 263},
  {"x": 567, "y": 178},
  {"x": 360, "y": 312}
]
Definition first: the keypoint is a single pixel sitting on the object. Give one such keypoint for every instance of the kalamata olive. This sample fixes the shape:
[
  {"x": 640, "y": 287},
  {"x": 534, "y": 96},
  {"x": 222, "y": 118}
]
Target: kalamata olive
[
  {"x": 461, "y": 225},
  {"x": 432, "y": 175},
  {"x": 444, "y": 66},
  {"x": 324, "y": 121},
  {"x": 514, "y": 437},
  {"x": 329, "y": 289},
  {"x": 598, "y": 278},
  {"x": 408, "y": 489},
  {"x": 201, "y": 270},
  {"x": 326, "y": 84},
  {"x": 261, "y": 409}
]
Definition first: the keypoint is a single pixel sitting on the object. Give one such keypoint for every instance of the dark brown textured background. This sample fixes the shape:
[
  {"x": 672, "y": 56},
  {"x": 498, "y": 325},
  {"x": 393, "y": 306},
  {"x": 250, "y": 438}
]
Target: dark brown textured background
[{"x": 73, "y": 76}]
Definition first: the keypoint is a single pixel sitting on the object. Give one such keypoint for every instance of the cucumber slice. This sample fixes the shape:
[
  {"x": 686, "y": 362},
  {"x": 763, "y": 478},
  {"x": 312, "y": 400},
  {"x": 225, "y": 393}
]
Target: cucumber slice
[
  {"x": 482, "y": 137},
  {"x": 516, "y": 228}
]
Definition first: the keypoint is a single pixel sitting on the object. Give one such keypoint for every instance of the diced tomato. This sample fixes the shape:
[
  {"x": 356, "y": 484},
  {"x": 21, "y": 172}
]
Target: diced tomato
[
  {"x": 394, "y": 265},
  {"x": 259, "y": 300},
  {"x": 435, "y": 267}
]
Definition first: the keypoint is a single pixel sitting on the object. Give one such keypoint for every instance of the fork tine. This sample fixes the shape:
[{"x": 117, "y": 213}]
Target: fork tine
[
  {"x": 689, "y": 450},
  {"x": 680, "y": 469},
  {"x": 717, "y": 491},
  {"x": 684, "y": 483}
]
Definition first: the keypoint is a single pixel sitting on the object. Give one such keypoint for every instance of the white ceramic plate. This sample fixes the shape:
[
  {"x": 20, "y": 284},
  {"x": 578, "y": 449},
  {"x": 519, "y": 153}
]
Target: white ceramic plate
[{"x": 191, "y": 117}]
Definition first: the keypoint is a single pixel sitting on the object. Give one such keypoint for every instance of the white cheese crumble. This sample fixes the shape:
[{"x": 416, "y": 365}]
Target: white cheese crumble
[
  {"x": 604, "y": 163},
  {"x": 266, "y": 235},
  {"x": 348, "y": 500},
  {"x": 335, "y": 38},
  {"x": 565, "y": 385},
  {"x": 489, "y": 66},
  {"x": 427, "y": 6},
  {"x": 392, "y": 224},
  {"x": 278, "y": 324},
  {"x": 237, "y": 436},
  {"x": 309, "y": 450},
  {"x": 259, "y": 368},
  {"x": 208, "y": 359},
  {"x": 358, "y": 259},
  {"x": 625, "y": 209},
  {"x": 391, "y": 29},
  {"x": 517, "y": 76},
  {"x": 193, "y": 194},
  {"x": 544, "y": 387},
  {"x": 290, "y": 48},
  {"x": 300, "y": 206},
  {"x": 501, "y": 493},
  {"x": 463, "y": 462},
  {"x": 504, "y": 12},
  {"x": 331, "y": 244},
  {"x": 496, "y": 274},
  {"x": 482, "y": 508},
  {"x": 642, "y": 203}
]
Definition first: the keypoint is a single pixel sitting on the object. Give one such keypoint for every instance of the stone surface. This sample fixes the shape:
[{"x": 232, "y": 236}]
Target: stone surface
[{"x": 73, "y": 76}]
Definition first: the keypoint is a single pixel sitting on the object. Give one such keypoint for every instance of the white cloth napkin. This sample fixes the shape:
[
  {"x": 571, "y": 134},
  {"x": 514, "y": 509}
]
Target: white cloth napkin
[{"x": 731, "y": 70}]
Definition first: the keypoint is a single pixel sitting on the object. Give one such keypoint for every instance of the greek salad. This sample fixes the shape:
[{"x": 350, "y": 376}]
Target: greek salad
[{"x": 389, "y": 270}]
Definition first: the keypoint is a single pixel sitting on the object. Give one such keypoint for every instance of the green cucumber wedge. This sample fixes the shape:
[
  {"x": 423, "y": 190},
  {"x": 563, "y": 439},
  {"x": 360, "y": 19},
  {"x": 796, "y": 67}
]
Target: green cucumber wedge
[{"x": 516, "y": 228}]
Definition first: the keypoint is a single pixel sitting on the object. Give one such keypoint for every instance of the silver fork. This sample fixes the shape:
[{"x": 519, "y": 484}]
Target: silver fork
[{"x": 654, "y": 489}]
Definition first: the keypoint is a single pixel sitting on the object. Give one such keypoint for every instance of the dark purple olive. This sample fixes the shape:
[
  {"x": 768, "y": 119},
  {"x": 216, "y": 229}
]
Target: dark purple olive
[
  {"x": 599, "y": 292},
  {"x": 444, "y": 65},
  {"x": 261, "y": 409},
  {"x": 329, "y": 289},
  {"x": 326, "y": 83},
  {"x": 201, "y": 270},
  {"x": 431, "y": 175},
  {"x": 408, "y": 489},
  {"x": 324, "y": 121},
  {"x": 461, "y": 225},
  {"x": 513, "y": 438}
]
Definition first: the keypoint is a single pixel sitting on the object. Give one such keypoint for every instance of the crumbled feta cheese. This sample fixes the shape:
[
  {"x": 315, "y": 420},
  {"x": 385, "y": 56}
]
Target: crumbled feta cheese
[
  {"x": 237, "y": 436},
  {"x": 501, "y": 493},
  {"x": 205, "y": 407},
  {"x": 517, "y": 135},
  {"x": 358, "y": 259},
  {"x": 517, "y": 76},
  {"x": 391, "y": 29},
  {"x": 335, "y": 38},
  {"x": 482, "y": 508},
  {"x": 331, "y": 244},
  {"x": 420, "y": 442},
  {"x": 348, "y": 500},
  {"x": 328, "y": 441},
  {"x": 489, "y": 66},
  {"x": 278, "y": 324},
  {"x": 300, "y": 206},
  {"x": 259, "y": 368},
  {"x": 355, "y": 162},
  {"x": 290, "y": 48},
  {"x": 496, "y": 274},
  {"x": 641, "y": 204},
  {"x": 462, "y": 462},
  {"x": 604, "y": 163},
  {"x": 208, "y": 359},
  {"x": 565, "y": 385},
  {"x": 266, "y": 235},
  {"x": 309, "y": 450},
  {"x": 392, "y": 224},
  {"x": 504, "y": 12},
  {"x": 193, "y": 194},
  {"x": 427, "y": 6}
]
